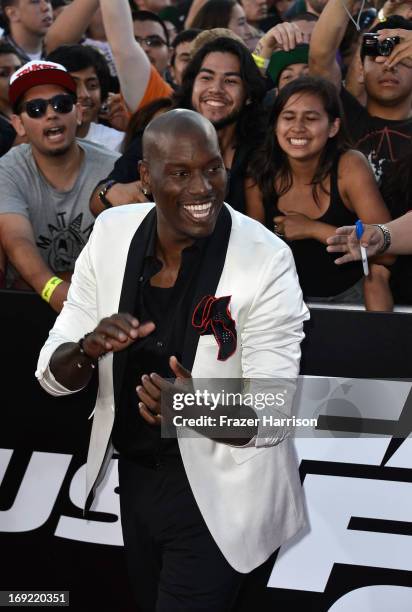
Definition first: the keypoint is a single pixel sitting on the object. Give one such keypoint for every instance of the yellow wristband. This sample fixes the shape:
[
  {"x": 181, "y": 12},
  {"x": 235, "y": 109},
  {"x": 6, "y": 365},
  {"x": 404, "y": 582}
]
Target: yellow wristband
[
  {"x": 261, "y": 62},
  {"x": 381, "y": 16},
  {"x": 49, "y": 288}
]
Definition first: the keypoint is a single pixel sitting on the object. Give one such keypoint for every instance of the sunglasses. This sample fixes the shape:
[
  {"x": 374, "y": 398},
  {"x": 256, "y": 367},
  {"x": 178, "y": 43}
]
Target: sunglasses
[
  {"x": 62, "y": 104},
  {"x": 7, "y": 71},
  {"x": 151, "y": 41}
]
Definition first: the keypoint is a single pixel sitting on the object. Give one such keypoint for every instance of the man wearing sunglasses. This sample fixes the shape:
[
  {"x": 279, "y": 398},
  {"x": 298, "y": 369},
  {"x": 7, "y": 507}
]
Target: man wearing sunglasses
[{"x": 46, "y": 184}]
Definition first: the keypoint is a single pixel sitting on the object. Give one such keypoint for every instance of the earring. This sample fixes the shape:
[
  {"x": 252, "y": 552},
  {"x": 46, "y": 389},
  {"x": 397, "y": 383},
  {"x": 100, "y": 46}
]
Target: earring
[{"x": 145, "y": 191}]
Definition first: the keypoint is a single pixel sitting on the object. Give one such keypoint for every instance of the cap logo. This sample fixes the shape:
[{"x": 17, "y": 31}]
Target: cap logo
[{"x": 35, "y": 66}]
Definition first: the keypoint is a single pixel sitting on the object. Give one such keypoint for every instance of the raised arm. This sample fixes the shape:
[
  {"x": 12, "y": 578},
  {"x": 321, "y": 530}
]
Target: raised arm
[
  {"x": 71, "y": 24},
  {"x": 132, "y": 63},
  {"x": 326, "y": 39},
  {"x": 193, "y": 11},
  {"x": 17, "y": 240},
  {"x": 283, "y": 36}
]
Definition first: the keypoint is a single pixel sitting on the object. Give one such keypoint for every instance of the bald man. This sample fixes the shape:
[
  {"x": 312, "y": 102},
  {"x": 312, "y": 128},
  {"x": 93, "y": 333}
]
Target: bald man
[{"x": 198, "y": 290}]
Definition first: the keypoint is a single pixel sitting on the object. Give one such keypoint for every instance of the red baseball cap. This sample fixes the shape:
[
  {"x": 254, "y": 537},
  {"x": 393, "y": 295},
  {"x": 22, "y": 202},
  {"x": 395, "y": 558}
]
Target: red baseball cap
[{"x": 38, "y": 72}]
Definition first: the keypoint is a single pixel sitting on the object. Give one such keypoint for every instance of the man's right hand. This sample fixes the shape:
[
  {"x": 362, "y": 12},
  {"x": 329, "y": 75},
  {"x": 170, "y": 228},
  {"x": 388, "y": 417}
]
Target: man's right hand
[{"x": 114, "y": 334}]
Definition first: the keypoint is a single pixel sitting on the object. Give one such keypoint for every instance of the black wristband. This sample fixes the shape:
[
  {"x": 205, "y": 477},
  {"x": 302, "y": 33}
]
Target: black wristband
[
  {"x": 92, "y": 362},
  {"x": 103, "y": 193}
]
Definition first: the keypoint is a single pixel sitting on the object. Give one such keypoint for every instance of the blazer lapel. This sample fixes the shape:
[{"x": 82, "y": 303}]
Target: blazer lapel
[
  {"x": 208, "y": 279},
  {"x": 127, "y": 301}
]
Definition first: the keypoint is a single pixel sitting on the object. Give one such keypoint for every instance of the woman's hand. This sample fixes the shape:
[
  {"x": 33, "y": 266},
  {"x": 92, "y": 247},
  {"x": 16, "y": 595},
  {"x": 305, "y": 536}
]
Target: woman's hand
[{"x": 293, "y": 226}]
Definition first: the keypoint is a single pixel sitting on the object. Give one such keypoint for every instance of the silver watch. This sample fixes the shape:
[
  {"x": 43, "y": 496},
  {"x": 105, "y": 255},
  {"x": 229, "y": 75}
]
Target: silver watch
[{"x": 387, "y": 238}]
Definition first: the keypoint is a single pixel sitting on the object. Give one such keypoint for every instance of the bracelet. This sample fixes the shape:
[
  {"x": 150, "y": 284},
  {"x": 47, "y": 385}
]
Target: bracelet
[
  {"x": 92, "y": 362},
  {"x": 261, "y": 62},
  {"x": 103, "y": 193},
  {"x": 387, "y": 237},
  {"x": 50, "y": 287}
]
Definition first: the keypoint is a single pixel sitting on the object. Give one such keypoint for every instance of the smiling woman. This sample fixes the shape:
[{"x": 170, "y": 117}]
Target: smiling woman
[{"x": 305, "y": 182}]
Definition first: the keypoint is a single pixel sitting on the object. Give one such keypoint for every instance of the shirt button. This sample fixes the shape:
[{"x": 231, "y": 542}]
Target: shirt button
[
  {"x": 160, "y": 344},
  {"x": 140, "y": 279}
]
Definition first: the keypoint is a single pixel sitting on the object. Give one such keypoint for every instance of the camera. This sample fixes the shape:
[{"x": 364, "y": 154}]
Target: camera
[{"x": 371, "y": 45}]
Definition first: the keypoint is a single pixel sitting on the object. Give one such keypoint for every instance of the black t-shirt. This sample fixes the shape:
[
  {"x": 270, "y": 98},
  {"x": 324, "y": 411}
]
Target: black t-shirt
[
  {"x": 382, "y": 141},
  {"x": 169, "y": 309},
  {"x": 385, "y": 142},
  {"x": 125, "y": 169},
  {"x": 7, "y": 136}
]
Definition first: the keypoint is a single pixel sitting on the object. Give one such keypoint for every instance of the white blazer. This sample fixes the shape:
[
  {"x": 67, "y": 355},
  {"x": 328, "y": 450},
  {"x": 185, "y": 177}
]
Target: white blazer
[{"x": 250, "y": 497}]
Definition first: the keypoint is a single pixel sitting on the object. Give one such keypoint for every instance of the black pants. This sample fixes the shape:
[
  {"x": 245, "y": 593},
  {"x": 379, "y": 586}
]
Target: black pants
[{"x": 173, "y": 562}]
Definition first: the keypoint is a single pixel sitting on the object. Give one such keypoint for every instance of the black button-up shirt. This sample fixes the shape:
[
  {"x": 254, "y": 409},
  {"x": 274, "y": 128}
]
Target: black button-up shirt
[{"x": 169, "y": 309}]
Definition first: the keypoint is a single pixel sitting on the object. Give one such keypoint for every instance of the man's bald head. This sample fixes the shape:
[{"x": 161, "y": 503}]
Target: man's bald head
[
  {"x": 166, "y": 130},
  {"x": 183, "y": 169}
]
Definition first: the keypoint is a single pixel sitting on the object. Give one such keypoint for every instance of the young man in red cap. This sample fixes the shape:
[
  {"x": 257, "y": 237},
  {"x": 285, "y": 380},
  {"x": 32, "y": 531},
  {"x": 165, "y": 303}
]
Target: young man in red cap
[{"x": 46, "y": 184}]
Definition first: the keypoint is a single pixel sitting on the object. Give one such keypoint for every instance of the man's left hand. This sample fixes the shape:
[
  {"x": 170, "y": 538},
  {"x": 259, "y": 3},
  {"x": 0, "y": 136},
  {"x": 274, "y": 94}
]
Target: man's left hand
[{"x": 149, "y": 392}]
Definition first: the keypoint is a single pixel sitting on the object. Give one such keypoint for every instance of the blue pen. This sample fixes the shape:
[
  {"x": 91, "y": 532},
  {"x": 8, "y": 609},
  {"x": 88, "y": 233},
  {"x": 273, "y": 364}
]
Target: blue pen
[{"x": 359, "y": 233}]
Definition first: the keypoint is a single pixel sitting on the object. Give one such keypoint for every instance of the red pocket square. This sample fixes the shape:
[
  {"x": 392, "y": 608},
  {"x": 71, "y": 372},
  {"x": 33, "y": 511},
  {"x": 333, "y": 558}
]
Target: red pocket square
[{"x": 212, "y": 316}]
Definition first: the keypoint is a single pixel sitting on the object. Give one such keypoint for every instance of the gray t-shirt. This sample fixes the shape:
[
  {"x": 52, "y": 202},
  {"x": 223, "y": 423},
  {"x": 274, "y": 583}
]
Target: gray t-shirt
[{"x": 61, "y": 220}]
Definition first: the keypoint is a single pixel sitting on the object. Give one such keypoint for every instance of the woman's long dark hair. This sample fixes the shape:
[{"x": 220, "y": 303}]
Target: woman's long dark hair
[
  {"x": 270, "y": 164},
  {"x": 253, "y": 118},
  {"x": 214, "y": 14}
]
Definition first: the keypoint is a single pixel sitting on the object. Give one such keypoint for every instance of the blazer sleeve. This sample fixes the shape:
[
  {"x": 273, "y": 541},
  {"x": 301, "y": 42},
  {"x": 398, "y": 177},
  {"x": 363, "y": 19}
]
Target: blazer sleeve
[
  {"x": 271, "y": 352},
  {"x": 77, "y": 318}
]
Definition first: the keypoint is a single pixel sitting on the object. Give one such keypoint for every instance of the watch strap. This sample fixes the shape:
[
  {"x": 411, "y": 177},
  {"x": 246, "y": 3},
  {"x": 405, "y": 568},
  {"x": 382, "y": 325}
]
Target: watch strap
[{"x": 103, "y": 192}]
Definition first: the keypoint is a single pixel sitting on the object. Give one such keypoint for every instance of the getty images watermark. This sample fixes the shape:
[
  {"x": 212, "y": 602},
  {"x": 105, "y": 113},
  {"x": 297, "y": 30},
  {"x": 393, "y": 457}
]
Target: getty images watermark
[{"x": 238, "y": 408}]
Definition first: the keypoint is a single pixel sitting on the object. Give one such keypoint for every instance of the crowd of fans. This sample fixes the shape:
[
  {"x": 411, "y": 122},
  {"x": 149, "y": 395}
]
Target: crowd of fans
[{"x": 311, "y": 101}]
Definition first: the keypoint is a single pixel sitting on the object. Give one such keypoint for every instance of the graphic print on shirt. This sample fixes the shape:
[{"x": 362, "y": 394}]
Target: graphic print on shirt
[
  {"x": 65, "y": 241},
  {"x": 384, "y": 146}
]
